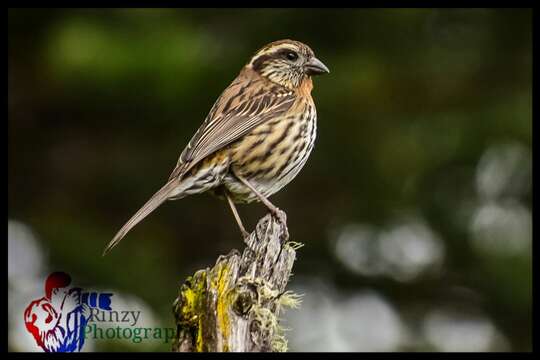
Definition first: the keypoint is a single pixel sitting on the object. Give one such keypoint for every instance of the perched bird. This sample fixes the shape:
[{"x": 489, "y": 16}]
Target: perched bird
[{"x": 256, "y": 138}]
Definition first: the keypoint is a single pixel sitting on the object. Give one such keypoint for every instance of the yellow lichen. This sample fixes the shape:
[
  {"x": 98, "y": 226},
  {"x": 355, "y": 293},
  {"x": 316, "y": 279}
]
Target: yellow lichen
[
  {"x": 192, "y": 295},
  {"x": 223, "y": 303},
  {"x": 199, "y": 340},
  {"x": 199, "y": 289},
  {"x": 188, "y": 304}
]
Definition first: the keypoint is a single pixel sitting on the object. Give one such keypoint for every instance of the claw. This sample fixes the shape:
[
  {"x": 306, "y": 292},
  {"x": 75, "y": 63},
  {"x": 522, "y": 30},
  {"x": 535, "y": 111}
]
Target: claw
[{"x": 282, "y": 218}]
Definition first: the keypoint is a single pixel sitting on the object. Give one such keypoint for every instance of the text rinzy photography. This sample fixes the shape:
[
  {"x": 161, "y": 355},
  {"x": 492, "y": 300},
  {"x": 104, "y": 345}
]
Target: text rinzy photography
[{"x": 123, "y": 325}]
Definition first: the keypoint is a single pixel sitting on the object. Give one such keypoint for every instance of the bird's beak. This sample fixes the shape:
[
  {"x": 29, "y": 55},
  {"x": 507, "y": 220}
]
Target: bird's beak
[{"x": 316, "y": 67}]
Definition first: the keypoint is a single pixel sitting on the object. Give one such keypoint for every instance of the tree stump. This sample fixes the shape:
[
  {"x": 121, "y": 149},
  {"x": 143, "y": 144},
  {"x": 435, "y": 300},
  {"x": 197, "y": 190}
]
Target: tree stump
[{"x": 235, "y": 305}]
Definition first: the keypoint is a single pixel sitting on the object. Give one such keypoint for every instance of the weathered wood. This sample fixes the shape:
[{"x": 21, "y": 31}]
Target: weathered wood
[{"x": 235, "y": 305}]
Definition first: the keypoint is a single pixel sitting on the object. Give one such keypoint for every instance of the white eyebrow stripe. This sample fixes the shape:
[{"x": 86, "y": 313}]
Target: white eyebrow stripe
[{"x": 275, "y": 49}]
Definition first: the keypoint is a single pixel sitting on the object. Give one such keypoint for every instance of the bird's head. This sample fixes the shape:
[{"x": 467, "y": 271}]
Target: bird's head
[{"x": 287, "y": 62}]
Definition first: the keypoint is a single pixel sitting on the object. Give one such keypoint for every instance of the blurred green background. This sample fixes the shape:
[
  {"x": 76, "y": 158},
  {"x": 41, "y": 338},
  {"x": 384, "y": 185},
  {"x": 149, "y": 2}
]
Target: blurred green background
[{"x": 414, "y": 207}]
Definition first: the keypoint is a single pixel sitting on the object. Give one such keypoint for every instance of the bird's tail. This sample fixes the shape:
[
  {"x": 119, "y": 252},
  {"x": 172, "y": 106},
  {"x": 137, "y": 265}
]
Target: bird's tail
[{"x": 157, "y": 199}]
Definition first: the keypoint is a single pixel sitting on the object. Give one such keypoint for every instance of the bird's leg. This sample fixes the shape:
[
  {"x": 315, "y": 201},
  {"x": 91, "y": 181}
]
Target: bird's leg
[
  {"x": 245, "y": 234},
  {"x": 279, "y": 214}
]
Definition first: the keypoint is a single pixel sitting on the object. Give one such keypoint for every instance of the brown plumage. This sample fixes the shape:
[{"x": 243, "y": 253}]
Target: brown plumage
[{"x": 256, "y": 138}]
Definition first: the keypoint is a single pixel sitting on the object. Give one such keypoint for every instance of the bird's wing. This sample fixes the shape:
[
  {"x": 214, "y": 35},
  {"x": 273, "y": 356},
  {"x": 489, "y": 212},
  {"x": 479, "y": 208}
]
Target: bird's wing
[{"x": 250, "y": 100}]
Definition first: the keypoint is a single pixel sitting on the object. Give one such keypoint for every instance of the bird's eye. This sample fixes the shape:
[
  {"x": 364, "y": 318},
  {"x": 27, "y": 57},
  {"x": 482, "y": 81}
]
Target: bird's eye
[{"x": 291, "y": 55}]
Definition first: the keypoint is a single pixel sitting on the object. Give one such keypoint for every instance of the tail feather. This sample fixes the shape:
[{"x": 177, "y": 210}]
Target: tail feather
[{"x": 157, "y": 199}]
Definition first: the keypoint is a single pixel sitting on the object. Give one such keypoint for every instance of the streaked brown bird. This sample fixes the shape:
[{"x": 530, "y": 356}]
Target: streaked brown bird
[{"x": 256, "y": 138}]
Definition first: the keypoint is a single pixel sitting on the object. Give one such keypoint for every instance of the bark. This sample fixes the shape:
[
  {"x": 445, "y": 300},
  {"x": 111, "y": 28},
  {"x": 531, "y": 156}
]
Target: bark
[{"x": 235, "y": 305}]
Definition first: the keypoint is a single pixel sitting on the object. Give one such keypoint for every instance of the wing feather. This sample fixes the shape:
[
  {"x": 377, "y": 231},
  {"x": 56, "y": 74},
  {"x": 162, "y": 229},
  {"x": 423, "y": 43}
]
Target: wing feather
[{"x": 244, "y": 105}]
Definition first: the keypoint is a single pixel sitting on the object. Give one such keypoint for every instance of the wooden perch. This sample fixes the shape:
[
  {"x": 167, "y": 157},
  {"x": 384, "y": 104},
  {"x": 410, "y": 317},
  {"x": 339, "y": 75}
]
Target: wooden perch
[{"x": 235, "y": 305}]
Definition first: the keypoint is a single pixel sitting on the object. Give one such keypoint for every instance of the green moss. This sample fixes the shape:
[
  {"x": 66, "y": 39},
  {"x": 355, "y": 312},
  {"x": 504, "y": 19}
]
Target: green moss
[
  {"x": 290, "y": 300},
  {"x": 267, "y": 320}
]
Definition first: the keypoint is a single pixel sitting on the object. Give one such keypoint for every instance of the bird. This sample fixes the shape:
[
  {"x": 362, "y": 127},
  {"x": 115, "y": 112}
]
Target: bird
[{"x": 255, "y": 139}]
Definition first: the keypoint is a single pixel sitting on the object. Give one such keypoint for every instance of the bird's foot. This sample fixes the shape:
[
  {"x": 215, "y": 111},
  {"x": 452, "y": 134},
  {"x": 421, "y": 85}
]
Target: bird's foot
[
  {"x": 282, "y": 218},
  {"x": 246, "y": 236}
]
